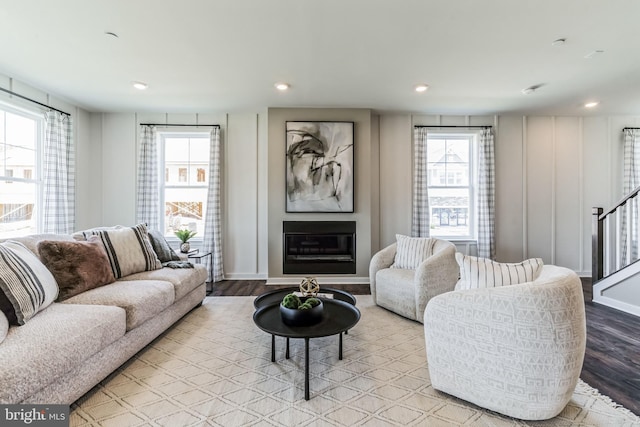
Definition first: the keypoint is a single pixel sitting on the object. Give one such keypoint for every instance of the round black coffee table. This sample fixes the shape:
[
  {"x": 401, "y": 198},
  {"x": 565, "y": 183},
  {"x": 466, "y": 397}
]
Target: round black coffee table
[{"x": 338, "y": 317}]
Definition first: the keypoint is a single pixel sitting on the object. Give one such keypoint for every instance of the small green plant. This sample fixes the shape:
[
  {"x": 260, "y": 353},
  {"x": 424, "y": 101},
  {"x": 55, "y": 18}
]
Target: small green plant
[
  {"x": 312, "y": 301},
  {"x": 294, "y": 301},
  {"x": 184, "y": 235},
  {"x": 291, "y": 301}
]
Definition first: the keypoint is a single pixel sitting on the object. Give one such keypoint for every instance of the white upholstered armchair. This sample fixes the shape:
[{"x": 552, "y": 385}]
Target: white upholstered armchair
[
  {"x": 407, "y": 291},
  {"x": 517, "y": 350}
]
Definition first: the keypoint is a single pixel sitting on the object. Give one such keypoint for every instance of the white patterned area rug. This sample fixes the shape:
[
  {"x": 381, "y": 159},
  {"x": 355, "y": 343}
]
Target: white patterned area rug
[{"x": 214, "y": 368}]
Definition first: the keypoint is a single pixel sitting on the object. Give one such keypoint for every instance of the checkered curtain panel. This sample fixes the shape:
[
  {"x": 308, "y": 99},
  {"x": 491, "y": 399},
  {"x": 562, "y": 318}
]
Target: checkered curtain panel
[
  {"x": 147, "y": 209},
  {"x": 631, "y": 180},
  {"x": 58, "y": 178},
  {"x": 486, "y": 195},
  {"x": 213, "y": 218},
  {"x": 420, "y": 215}
]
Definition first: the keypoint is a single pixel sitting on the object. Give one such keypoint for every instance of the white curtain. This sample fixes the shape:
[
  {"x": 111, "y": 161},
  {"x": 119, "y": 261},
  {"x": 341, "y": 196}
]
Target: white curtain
[
  {"x": 631, "y": 180},
  {"x": 213, "y": 215},
  {"x": 148, "y": 187},
  {"x": 486, "y": 195},
  {"x": 58, "y": 178},
  {"x": 420, "y": 215}
]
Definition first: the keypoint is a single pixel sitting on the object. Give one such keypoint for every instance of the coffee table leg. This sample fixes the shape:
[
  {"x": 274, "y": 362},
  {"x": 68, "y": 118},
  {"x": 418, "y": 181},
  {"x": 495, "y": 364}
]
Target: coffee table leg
[
  {"x": 273, "y": 348},
  {"x": 286, "y": 355},
  {"x": 306, "y": 369},
  {"x": 340, "y": 348}
]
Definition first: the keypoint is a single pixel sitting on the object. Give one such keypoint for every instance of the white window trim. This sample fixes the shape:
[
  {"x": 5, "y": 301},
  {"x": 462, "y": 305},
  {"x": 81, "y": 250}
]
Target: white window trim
[{"x": 472, "y": 237}]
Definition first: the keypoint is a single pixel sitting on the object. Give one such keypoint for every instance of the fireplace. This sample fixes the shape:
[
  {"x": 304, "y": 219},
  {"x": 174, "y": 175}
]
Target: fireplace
[{"x": 319, "y": 247}]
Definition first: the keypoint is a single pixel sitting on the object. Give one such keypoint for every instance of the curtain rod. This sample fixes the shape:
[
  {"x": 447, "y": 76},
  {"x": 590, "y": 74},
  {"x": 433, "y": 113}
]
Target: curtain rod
[
  {"x": 453, "y": 126},
  {"x": 34, "y": 101},
  {"x": 182, "y": 124},
  {"x": 628, "y": 128}
]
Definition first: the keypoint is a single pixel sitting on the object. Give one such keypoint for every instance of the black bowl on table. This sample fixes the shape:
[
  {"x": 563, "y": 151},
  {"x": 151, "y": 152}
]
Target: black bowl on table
[{"x": 297, "y": 317}]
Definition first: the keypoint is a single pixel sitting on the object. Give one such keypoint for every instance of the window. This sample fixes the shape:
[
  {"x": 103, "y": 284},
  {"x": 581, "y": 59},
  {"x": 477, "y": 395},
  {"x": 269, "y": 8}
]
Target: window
[
  {"x": 182, "y": 174},
  {"x": 451, "y": 184},
  {"x": 20, "y": 142},
  {"x": 184, "y": 159}
]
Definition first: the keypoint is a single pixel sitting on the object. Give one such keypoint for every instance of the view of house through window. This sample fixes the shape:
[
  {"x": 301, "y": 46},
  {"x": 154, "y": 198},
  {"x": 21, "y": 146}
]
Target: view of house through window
[
  {"x": 20, "y": 136},
  {"x": 451, "y": 184},
  {"x": 185, "y": 162}
]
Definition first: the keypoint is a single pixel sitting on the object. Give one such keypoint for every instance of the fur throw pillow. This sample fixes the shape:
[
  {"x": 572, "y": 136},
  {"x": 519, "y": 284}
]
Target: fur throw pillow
[{"x": 76, "y": 266}]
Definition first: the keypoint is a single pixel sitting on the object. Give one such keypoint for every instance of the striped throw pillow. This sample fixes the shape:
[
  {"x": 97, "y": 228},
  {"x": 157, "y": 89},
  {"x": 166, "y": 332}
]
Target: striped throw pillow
[
  {"x": 411, "y": 251},
  {"x": 128, "y": 249},
  {"x": 26, "y": 286},
  {"x": 484, "y": 273}
]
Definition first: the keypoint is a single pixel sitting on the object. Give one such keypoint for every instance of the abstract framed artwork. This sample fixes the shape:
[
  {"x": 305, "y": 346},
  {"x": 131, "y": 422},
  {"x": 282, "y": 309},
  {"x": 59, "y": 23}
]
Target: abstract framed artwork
[{"x": 319, "y": 175}]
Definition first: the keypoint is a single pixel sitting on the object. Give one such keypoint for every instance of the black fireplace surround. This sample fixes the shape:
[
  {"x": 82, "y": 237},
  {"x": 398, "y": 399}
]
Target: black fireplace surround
[{"x": 319, "y": 247}]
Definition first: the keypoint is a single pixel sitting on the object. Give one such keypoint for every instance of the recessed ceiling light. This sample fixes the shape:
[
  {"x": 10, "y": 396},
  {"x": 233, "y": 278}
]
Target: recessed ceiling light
[
  {"x": 282, "y": 86},
  {"x": 591, "y": 104},
  {"x": 558, "y": 42},
  {"x": 421, "y": 88},
  {"x": 140, "y": 85},
  {"x": 529, "y": 90}
]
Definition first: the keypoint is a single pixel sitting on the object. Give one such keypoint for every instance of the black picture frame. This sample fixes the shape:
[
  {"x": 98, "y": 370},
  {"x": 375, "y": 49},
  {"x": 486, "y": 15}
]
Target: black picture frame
[{"x": 320, "y": 172}]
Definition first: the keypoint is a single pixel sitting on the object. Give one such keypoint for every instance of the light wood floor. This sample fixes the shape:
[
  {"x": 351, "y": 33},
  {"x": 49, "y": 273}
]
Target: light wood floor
[{"x": 612, "y": 357}]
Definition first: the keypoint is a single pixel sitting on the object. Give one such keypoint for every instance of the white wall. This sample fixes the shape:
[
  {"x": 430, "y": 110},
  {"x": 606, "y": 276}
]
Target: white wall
[
  {"x": 244, "y": 182},
  {"x": 550, "y": 172}
]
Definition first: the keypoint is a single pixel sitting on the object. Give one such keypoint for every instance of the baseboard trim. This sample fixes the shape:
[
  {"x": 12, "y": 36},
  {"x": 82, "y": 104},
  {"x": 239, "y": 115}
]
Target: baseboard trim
[
  {"x": 618, "y": 305},
  {"x": 322, "y": 280},
  {"x": 245, "y": 276}
]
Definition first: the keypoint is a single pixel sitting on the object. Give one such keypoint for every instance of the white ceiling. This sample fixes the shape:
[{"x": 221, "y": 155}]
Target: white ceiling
[{"x": 226, "y": 55}]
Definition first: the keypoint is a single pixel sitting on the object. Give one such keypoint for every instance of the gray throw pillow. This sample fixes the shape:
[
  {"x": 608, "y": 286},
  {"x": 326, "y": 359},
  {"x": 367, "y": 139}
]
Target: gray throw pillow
[{"x": 161, "y": 247}]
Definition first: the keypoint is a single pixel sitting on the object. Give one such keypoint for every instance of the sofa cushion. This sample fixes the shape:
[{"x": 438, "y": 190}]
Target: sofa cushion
[
  {"x": 484, "y": 273},
  {"x": 184, "y": 280},
  {"x": 80, "y": 235},
  {"x": 161, "y": 247},
  {"x": 128, "y": 249},
  {"x": 52, "y": 343},
  {"x": 31, "y": 241},
  {"x": 76, "y": 266},
  {"x": 26, "y": 286},
  {"x": 140, "y": 299},
  {"x": 411, "y": 251}
]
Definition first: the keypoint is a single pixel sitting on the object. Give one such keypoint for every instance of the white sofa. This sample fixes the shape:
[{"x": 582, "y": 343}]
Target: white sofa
[
  {"x": 69, "y": 347},
  {"x": 517, "y": 350}
]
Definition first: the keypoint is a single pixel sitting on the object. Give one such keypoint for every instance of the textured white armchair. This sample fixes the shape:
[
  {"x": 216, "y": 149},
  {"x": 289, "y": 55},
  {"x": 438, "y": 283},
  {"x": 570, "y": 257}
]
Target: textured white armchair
[
  {"x": 407, "y": 292},
  {"x": 517, "y": 350}
]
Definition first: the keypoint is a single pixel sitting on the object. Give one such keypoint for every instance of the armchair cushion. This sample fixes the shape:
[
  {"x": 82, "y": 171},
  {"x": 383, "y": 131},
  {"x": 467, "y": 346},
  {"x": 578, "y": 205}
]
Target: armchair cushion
[
  {"x": 478, "y": 273},
  {"x": 411, "y": 251}
]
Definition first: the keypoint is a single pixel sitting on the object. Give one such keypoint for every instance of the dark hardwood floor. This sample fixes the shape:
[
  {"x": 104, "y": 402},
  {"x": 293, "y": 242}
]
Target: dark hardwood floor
[{"x": 612, "y": 357}]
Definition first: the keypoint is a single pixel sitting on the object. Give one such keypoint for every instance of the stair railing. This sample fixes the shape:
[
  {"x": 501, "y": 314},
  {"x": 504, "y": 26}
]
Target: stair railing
[{"x": 614, "y": 236}]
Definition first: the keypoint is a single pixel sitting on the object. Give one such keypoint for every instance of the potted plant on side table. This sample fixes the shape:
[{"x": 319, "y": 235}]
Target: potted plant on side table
[{"x": 184, "y": 235}]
